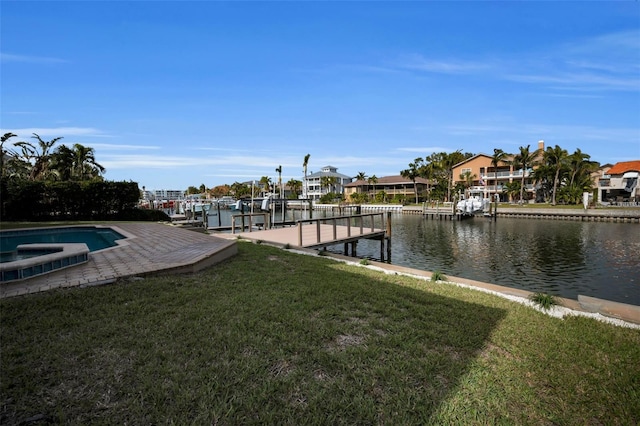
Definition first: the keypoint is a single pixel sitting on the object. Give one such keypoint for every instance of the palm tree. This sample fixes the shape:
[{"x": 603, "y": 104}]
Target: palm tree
[
  {"x": 295, "y": 186},
  {"x": 372, "y": 180},
  {"x": 499, "y": 156},
  {"x": 556, "y": 159},
  {"x": 361, "y": 176},
  {"x": 580, "y": 165},
  {"x": 444, "y": 163},
  {"x": 4, "y": 139},
  {"x": 427, "y": 171},
  {"x": 304, "y": 166},
  {"x": 525, "y": 160},
  {"x": 85, "y": 164},
  {"x": 40, "y": 155},
  {"x": 467, "y": 179},
  {"x": 412, "y": 173},
  {"x": 265, "y": 182},
  {"x": 512, "y": 189},
  {"x": 78, "y": 163},
  {"x": 62, "y": 162},
  {"x": 327, "y": 182},
  {"x": 543, "y": 176}
]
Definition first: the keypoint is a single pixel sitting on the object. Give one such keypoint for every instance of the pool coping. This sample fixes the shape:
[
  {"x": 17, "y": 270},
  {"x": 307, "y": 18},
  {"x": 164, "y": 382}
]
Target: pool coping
[{"x": 63, "y": 251}]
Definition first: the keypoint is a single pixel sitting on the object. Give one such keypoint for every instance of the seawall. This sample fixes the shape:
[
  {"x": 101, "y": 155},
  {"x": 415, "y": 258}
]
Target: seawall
[{"x": 622, "y": 215}]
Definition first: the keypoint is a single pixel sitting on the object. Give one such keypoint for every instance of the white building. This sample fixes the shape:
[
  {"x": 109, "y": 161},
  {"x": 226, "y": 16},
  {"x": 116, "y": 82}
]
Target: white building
[
  {"x": 313, "y": 185},
  {"x": 168, "y": 194}
]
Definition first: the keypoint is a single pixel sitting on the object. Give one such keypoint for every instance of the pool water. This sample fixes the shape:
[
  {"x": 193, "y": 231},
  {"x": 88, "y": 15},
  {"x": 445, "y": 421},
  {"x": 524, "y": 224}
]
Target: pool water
[{"x": 96, "y": 238}]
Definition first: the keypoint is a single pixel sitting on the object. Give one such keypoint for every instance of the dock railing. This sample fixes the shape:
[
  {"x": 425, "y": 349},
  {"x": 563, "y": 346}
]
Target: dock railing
[
  {"x": 358, "y": 229},
  {"x": 250, "y": 216}
]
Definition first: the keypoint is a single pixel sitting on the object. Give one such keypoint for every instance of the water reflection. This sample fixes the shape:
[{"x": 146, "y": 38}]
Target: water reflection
[{"x": 564, "y": 258}]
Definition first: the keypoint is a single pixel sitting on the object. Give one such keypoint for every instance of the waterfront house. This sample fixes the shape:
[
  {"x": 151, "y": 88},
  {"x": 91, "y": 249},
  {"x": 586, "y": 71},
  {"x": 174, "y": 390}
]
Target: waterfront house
[
  {"x": 314, "y": 188},
  {"x": 619, "y": 183},
  {"x": 488, "y": 180},
  {"x": 392, "y": 186}
]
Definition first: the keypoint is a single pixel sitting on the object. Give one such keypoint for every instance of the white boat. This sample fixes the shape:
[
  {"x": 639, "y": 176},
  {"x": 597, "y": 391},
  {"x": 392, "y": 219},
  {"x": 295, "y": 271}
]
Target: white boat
[
  {"x": 473, "y": 204},
  {"x": 226, "y": 201}
]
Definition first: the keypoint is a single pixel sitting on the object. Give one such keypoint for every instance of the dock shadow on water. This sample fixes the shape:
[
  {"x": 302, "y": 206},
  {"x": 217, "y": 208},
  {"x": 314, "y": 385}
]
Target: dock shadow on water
[{"x": 269, "y": 337}]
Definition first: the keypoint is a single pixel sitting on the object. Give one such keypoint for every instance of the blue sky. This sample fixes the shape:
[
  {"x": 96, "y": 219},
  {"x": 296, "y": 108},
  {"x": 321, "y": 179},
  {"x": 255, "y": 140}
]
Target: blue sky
[{"x": 174, "y": 94}]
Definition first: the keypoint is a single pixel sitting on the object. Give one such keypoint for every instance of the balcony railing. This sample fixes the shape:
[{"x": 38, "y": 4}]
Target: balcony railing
[
  {"x": 497, "y": 188},
  {"x": 505, "y": 174}
]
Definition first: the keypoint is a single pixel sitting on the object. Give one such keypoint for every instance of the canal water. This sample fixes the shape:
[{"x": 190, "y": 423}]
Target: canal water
[{"x": 563, "y": 258}]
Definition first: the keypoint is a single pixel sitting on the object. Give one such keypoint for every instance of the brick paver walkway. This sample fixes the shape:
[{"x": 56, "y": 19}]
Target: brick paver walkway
[{"x": 149, "y": 248}]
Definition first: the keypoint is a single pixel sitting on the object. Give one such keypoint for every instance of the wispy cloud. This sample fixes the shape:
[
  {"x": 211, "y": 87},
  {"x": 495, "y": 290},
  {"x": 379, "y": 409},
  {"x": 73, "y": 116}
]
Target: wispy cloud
[
  {"x": 425, "y": 149},
  {"x": 235, "y": 165},
  {"x": 443, "y": 66},
  {"x": 56, "y": 132},
  {"x": 122, "y": 147},
  {"x": 519, "y": 132},
  {"x": 30, "y": 59},
  {"x": 574, "y": 79},
  {"x": 606, "y": 62}
]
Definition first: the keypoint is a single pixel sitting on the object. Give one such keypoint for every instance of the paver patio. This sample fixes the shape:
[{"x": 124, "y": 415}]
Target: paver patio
[{"x": 150, "y": 248}]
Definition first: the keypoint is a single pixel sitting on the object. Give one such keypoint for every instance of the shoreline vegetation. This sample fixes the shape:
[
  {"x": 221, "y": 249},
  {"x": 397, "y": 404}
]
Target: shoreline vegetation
[{"x": 274, "y": 337}]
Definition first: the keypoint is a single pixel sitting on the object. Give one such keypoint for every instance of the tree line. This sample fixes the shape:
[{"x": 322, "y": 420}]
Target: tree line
[
  {"x": 558, "y": 177},
  {"x": 40, "y": 183}
]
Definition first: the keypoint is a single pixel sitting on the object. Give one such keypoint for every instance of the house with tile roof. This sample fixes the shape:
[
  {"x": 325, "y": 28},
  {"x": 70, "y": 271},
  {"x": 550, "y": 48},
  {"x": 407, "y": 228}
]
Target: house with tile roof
[{"x": 619, "y": 183}]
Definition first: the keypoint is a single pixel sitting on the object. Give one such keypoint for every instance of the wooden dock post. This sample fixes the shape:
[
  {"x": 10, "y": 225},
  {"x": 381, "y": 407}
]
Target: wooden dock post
[
  {"x": 388, "y": 238},
  {"x": 318, "y": 231}
]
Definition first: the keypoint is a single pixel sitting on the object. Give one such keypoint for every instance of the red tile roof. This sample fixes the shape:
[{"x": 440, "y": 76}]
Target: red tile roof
[{"x": 625, "y": 166}]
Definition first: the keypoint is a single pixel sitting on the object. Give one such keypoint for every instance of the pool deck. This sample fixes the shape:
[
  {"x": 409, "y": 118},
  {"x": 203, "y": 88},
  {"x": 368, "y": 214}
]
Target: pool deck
[{"x": 151, "y": 248}]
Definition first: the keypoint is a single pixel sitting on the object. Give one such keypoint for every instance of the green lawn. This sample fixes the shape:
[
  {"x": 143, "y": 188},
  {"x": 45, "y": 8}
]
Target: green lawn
[{"x": 274, "y": 337}]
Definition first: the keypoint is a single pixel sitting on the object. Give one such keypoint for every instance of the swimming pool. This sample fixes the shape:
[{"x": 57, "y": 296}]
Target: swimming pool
[
  {"x": 95, "y": 237},
  {"x": 29, "y": 252}
]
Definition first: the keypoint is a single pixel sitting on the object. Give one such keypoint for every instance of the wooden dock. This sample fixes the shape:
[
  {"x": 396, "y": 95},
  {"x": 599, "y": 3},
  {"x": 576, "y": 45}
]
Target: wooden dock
[{"x": 330, "y": 231}]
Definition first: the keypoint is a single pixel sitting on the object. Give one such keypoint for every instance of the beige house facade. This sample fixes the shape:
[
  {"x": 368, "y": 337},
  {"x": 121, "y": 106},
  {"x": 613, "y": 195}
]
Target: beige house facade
[
  {"x": 392, "y": 186},
  {"x": 487, "y": 180}
]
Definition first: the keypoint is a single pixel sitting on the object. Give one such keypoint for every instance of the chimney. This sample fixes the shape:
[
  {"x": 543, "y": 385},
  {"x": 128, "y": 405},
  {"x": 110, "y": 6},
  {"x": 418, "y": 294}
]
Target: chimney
[{"x": 541, "y": 145}]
